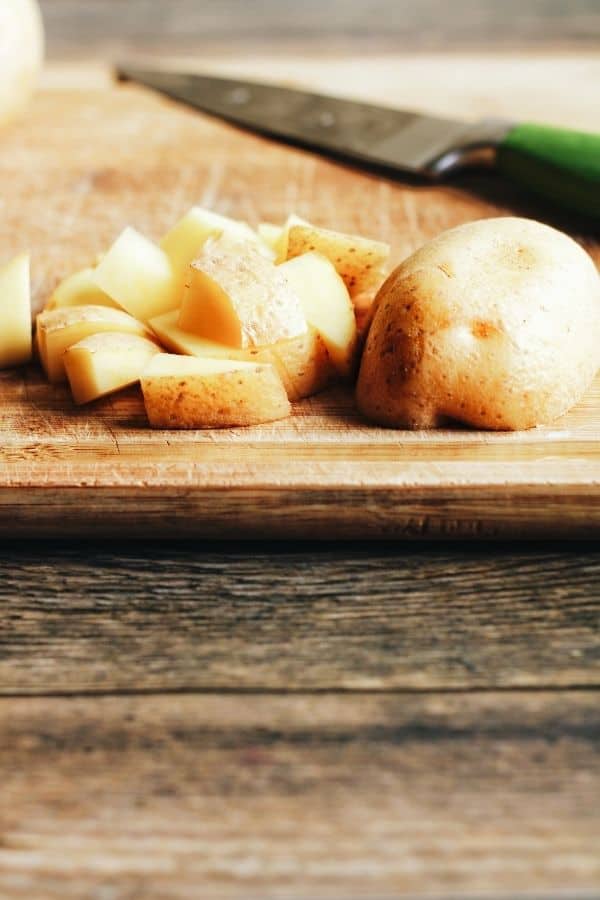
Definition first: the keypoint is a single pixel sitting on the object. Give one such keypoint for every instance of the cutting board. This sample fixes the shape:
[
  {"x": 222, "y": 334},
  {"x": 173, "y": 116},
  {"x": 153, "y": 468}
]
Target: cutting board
[{"x": 86, "y": 163}]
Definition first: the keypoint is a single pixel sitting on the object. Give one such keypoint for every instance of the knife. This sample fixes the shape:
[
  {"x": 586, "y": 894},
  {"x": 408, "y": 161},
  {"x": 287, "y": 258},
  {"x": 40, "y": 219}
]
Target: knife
[{"x": 556, "y": 163}]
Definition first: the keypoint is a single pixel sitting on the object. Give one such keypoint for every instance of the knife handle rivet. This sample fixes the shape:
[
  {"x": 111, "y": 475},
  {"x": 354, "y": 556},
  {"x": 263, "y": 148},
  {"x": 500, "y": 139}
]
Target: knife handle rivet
[
  {"x": 238, "y": 96},
  {"x": 326, "y": 119}
]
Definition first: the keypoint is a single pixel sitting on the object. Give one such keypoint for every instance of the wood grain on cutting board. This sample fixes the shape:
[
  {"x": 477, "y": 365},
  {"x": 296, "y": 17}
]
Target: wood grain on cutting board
[{"x": 87, "y": 162}]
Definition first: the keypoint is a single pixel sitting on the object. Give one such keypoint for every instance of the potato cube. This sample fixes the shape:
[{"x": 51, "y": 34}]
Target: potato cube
[
  {"x": 59, "y": 329},
  {"x": 79, "y": 289},
  {"x": 302, "y": 362},
  {"x": 106, "y": 362},
  {"x": 138, "y": 276},
  {"x": 276, "y": 236},
  {"x": 15, "y": 313},
  {"x": 360, "y": 261},
  {"x": 184, "y": 242},
  {"x": 186, "y": 392},
  {"x": 326, "y": 305},
  {"x": 237, "y": 297}
]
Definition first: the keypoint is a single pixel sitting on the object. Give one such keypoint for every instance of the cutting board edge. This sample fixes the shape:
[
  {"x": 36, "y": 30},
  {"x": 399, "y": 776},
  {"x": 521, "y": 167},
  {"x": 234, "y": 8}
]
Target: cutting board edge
[{"x": 494, "y": 512}]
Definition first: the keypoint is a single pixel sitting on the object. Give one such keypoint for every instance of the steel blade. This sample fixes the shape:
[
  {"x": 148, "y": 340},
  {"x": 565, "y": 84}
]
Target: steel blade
[{"x": 360, "y": 132}]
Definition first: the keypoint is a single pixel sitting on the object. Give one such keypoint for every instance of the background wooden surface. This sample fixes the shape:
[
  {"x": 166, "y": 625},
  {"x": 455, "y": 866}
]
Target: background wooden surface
[
  {"x": 303, "y": 720},
  {"x": 96, "y": 28}
]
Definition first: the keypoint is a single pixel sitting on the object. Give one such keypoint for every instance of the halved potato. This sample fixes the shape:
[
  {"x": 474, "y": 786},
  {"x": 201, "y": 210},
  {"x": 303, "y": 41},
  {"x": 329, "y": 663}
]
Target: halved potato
[
  {"x": 326, "y": 305},
  {"x": 59, "y": 329},
  {"x": 15, "y": 312},
  {"x": 184, "y": 242},
  {"x": 495, "y": 323},
  {"x": 186, "y": 392},
  {"x": 79, "y": 289},
  {"x": 237, "y": 297},
  {"x": 302, "y": 362},
  {"x": 106, "y": 362},
  {"x": 359, "y": 260},
  {"x": 138, "y": 276}
]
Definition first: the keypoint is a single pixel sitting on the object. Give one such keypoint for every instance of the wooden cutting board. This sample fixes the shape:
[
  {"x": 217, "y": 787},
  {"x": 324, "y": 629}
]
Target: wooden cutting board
[{"x": 86, "y": 163}]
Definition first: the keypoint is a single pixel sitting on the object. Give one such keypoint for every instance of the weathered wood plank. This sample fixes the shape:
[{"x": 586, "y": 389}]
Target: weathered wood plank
[
  {"x": 325, "y": 796},
  {"x": 97, "y": 27},
  {"x": 141, "y": 617}
]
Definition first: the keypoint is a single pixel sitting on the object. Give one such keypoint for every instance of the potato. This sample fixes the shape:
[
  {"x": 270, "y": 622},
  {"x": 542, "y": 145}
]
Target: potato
[
  {"x": 326, "y": 305},
  {"x": 79, "y": 289},
  {"x": 184, "y": 242},
  {"x": 21, "y": 54},
  {"x": 359, "y": 260},
  {"x": 15, "y": 313},
  {"x": 495, "y": 323},
  {"x": 138, "y": 276},
  {"x": 106, "y": 362},
  {"x": 302, "y": 362},
  {"x": 59, "y": 329},
  {"x": 186, "y": 392},
  {"x": 237, "y": 297}
]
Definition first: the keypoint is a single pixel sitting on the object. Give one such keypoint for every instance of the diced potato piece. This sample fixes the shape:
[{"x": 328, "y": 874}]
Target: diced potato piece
[
  {"x": 270, "y": 234},
  {"x": 59, "y": 329},
  {"x": 326, "y": 305},
  {"x": 79, "y": 289},
  {"x": 106, "y": 362},
  {"x": 237, "y": 297},
  {"x": 138, "y": 276},
  {"x": 184, "y": 242},
  {"x": 302, "y": 362},
  {"x": 360, "y": 261},
  {"x": 276, "y": 236},
  {"x": 15, "y": 312},
  {"x": 177, "y": 340},
  {"x": 186, "y": 392}
]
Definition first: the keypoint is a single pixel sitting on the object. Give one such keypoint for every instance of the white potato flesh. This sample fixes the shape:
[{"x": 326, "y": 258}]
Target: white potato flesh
[
  {"x": 237, "y": 297},
  {"x": 106, "y": 362},
  {"x": 326, "y": 305},
  {"x": 302, "y": 362},
  {"x": 21, "y": 54},
  {"x": 177, "y": 340},
  {"x": 138, "y": 276},
  {"x": 184, "y": 242},
  {"x": 187, "y": 392},
  {"x": 79, "y": 289},
  {"x": 59, "y": 329},
  {"x": 360, "y": 261},
  {"x": 15, "y": 313}
]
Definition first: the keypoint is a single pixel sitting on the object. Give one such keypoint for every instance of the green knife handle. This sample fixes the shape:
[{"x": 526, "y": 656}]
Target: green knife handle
[{"x": 556, "y": 163}]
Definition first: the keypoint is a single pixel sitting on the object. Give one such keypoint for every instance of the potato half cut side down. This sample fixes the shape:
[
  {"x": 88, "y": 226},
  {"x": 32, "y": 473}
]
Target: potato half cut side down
[
  {"x": 186, "y": 392},
  {"x": 494, "y": 323},
  {"x": 106, "y": 362},
  {"x": 15, "y": 313},
  {"x": 237, "y": 297},
  {"x": 59, "y": 329}
]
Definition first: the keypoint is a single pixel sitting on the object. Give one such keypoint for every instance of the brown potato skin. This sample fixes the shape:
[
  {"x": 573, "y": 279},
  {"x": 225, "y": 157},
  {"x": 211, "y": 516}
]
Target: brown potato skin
[
  {"x": 222, "y": 400},
  {"x": 495, "y": 324}
]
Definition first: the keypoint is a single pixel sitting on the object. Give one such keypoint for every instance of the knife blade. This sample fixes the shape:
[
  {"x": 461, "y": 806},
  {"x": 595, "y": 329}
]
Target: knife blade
[{"x": 559, "y": 163}]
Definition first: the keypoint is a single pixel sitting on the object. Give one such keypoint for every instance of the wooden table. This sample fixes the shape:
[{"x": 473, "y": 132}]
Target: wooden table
[{"x": 329, "y": 720}]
